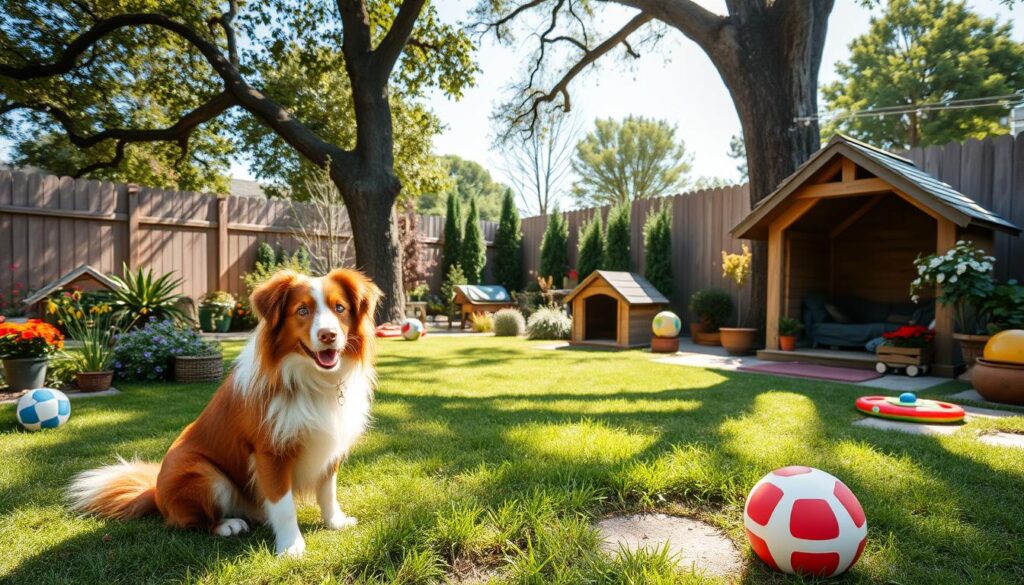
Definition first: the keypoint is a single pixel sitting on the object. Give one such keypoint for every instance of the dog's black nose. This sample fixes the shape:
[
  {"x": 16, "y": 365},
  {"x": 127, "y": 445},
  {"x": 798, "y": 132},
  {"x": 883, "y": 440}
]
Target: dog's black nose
[{"x": 327, "y": 335}]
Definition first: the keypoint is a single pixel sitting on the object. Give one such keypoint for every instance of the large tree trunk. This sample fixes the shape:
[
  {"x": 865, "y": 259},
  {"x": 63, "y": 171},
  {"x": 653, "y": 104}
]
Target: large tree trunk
[
  {"x": 771, "y": 71},
  {"x": 375, "y": 235}
]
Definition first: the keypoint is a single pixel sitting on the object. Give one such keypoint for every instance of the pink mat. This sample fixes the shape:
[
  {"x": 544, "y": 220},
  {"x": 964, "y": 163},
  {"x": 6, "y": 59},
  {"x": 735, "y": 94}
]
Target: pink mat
[{"x": 802, "y": 370}]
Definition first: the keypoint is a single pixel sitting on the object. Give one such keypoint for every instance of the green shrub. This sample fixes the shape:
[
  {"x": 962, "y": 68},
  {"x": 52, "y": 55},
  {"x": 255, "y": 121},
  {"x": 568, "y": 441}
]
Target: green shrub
[
  {"x": 148, "y": 353},
  {"x": 658, "y": 250},
  {"x": 262, "y": 271},
  {"x": 474, "y": 250},
  {"x": 591, "y": 247},
  {"x": 554, "y": 252},
  {"x": 712, "y": 307},
  {"x": 616, "y": 243},
  {"x": 451, "y": 252},
  {"x": 265, "y": 254},
  {"x": 509, "y": 323},
  {"x": 549, "y": 323},
  {"x": 453, "y": 279},
  {"x": 508, "y": 246}
]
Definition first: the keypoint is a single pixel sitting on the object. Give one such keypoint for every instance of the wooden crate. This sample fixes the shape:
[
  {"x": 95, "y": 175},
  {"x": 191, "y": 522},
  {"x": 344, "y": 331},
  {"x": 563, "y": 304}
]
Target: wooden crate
[{"x": 904, "y": 356}]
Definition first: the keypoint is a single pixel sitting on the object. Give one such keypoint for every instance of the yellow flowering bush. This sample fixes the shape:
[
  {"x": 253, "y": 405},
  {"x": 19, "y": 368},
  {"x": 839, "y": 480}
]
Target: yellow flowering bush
[{"x": 737, "y": 268}]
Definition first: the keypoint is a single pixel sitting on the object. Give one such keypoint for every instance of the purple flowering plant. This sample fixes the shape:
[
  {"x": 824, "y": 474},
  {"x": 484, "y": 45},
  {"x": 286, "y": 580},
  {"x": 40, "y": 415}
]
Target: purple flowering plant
[{"x": 147, "y": 354}]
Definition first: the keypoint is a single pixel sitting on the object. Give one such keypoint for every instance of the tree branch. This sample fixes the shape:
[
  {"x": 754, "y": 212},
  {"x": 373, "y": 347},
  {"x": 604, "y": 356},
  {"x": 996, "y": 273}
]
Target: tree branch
[
  {"x": 109, "y": 164},
  {"x": 561, "y": 88},
  {"x": 397, "y": 37},
  {"x": 696, "y": 22},
  {"x": 226, "y": 22},
  {"x": 279, "y": 119}
]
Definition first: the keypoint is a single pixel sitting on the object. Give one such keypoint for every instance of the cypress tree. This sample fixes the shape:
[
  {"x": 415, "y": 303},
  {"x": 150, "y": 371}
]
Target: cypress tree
[
  {"x": 474, "y": 250},
  {"x": 591, "y": 244},
  {"x": 554, "y": 253},
  {"x": 658, "y": 250},
  {"x": 616, "y": 244},
  {"x": 508, "y": 246},
  {"x": 452, "y": 250}
]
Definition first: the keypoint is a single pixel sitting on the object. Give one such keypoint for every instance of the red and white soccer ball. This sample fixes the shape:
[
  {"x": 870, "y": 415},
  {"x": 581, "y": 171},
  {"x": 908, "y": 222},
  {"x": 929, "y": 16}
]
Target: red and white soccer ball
[{"x": 803, "y": 520}]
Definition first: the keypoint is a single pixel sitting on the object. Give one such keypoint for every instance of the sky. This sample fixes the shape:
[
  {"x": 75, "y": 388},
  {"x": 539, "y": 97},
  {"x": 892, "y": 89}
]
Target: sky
[{"x": 676, "y": 82}]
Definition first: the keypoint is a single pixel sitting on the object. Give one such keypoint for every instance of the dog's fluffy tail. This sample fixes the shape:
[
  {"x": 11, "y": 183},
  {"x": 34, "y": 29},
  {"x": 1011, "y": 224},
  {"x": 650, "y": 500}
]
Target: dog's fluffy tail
[{"x": 124, "y": 490}]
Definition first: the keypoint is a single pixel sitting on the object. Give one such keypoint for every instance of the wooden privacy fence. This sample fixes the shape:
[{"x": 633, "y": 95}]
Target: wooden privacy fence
[
  {"x": 990, "y": 171},
  {"x": 50, "y": 225}
]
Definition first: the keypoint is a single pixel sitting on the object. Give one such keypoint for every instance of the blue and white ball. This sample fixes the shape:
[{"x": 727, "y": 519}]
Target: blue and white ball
[
  {"x": 412, "y": 329},
  {"x": 43, "y": 408}
]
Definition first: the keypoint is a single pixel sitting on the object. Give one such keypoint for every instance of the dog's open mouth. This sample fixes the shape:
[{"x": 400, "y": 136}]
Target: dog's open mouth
[{"x": 326, "y": 359}]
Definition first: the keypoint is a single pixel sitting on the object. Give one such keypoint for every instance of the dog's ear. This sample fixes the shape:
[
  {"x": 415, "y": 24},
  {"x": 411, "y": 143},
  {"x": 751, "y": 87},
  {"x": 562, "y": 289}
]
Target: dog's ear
[
  {"x": 269, "y": 298},
  {"x": 362, "y": 293}
]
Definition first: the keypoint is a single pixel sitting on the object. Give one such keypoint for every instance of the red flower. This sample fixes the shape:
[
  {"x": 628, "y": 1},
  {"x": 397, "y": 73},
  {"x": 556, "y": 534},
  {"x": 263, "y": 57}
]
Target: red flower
[{"x": 573, "y": 273}]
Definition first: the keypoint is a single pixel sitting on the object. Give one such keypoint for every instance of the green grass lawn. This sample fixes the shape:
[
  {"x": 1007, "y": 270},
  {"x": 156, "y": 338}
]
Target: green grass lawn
[{"x": 486, "y": 452}]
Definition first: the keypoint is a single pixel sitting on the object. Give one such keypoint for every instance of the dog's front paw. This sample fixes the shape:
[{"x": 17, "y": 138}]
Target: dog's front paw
[
  {"x": 339, "y": 520},
  {"x": 293, "y": 549}
]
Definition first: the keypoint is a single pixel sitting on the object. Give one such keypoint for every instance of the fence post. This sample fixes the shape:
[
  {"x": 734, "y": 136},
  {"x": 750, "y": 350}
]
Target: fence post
[
  {"x": 133, "y": 226},
  {"x": 222, "y": 243}
]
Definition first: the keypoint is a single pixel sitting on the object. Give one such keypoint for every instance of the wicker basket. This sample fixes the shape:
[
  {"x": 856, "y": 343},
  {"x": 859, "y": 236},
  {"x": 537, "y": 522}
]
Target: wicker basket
[{"x": 205, "y": 368}]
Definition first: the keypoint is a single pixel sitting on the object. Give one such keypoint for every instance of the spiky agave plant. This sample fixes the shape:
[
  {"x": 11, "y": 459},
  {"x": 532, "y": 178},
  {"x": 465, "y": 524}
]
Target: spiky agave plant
[{"x": 139, "y": 296}]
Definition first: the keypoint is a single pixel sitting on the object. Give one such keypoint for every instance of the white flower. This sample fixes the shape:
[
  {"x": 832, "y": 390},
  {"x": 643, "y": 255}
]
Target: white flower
[
  {"x": 921, "y": 268},
  {"x": 961, "y": 268},
  {"x": 960, "y": 242},
  {"x": 940, "y": 278},
  {"x": 915, "y": 298},
  {"x": 916, "y": 282},
  {"x": 952, "y": 279}
]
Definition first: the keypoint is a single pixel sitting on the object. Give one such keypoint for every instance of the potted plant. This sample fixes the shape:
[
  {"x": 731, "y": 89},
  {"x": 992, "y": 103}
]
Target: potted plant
[
  {"x": 25, "y": 348},
  {"x": 151, "y": 354},
  {"x": 1005, "y": 307},
  {"x": 710, "y": 308},
  {"x": 963, "y": 278},
  {"x": 95, "y": 327},
  {"x": 738, "y": 340},
  {"x": 789, "y": 330},
  {"x": 215, "y": 312},
  {"x": 909, "y": 347}
]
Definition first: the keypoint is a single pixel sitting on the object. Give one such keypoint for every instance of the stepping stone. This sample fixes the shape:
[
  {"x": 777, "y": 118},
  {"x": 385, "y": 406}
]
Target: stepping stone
[
  {"x": 884, "y": 424},
  {"x": 1001, "y": 439},
  {"x": 691, "y": 543}
]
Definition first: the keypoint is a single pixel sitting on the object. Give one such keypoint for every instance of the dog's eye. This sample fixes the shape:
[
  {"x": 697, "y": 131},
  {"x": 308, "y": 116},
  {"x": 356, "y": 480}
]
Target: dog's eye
[
  {"x": 303, "y": 311},
  {"x": 340, "y": 309}
]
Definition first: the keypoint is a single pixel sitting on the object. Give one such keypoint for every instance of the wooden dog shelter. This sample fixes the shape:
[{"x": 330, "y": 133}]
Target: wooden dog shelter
[
  {"x": 849, "y": 223},
  {"x": 474, "y": 298},
  {"x": 614, "y": 309}
]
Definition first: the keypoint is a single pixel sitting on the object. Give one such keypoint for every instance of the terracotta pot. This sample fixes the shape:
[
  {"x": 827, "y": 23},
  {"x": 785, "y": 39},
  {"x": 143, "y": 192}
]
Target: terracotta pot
[
  {"x": 972, "y": 347},
  {"x": 700, "y": 335},
  {"x": 664, "y": 344},
  {"x": 94, "y": 381},
  {"x": 738, "y": 340},
  {"x": 999, "y": 381},
  {"x": 787, "y": 342}
]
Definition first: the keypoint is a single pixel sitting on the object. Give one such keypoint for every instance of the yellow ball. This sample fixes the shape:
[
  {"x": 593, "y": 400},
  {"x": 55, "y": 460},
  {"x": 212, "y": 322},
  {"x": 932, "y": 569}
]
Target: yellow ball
[
  {"x": 1006, "y": 346},
  {"x": 666, "y": 324}
]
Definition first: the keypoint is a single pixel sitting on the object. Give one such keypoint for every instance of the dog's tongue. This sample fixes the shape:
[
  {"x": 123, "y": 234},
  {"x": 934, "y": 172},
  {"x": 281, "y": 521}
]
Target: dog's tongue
[{"x": 327, "y": 358}]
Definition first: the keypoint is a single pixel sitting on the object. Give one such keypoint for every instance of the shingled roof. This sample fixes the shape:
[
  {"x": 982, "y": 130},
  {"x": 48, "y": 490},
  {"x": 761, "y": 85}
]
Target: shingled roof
[
  {"x": 899, "y": 172},
  {"x": 633, "y": 288}
]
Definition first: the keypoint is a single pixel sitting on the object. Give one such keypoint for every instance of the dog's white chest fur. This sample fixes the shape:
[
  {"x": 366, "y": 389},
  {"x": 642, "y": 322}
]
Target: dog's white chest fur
[{"x": 332, "y": 438}]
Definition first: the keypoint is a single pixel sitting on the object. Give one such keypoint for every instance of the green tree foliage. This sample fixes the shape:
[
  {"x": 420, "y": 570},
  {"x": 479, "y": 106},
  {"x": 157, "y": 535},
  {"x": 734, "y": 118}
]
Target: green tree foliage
[
  {"x": 451, "y": 252},
  {"x": 265, "y": 254},
  {"x": 554, "y": 248},
  {"x": 632, "y": 159},
  {"x": 920, "y": 52},
  {"x": 453, "y": 278},
  {"x": 738, "y": 152},
  {"x": 474, "y": 250},
  {"x": 658, "y": 250},
  {"x": 616, "y": 243},
  {"x": 466, "y": 179},
  {"x": 590, "y": 251},
  {"x": 508, "y": 245}
]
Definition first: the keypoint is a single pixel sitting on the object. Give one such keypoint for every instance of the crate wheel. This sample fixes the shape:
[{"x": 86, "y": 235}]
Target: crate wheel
[
  {"x": 881, "y": 368},
  {"x": 913, "y": 371}
]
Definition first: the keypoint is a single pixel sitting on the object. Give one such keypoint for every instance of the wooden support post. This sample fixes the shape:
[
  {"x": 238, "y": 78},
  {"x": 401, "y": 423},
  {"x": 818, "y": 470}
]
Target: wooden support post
[
  {"x": 222, "y": 243},
  {"x": 134, "y": 242},
  {"x": 777, "y": 274},
  {"x": 945, "y": 323}
]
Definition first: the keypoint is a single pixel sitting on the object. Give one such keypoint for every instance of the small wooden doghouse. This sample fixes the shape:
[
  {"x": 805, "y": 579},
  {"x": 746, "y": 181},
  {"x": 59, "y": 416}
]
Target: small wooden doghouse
[
  {"x": 614, "y": 309},
  {"x": 84, "y": 278},
  {"x": 849, "y": 223},
  {"x": 474, "y": 298}
]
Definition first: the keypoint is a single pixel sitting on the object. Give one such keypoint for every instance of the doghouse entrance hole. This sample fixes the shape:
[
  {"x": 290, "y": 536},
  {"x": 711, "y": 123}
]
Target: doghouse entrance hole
[{"x": 602, "y": 316}]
